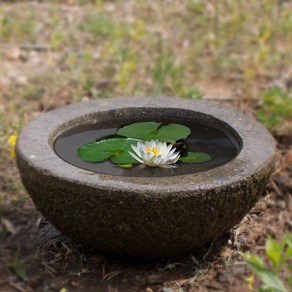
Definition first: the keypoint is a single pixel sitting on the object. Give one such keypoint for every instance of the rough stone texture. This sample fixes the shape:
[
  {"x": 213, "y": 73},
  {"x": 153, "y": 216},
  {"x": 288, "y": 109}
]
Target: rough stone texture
[{"x": 144, "y": 217}]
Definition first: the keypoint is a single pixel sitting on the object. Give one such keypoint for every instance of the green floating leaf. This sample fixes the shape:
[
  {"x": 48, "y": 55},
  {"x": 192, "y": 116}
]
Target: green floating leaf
[
  {"x": 171, "y": 132},
  {"x": 195, "y": 157},
  {"x": 93, "y": 152},
  {"x": 151, "y": 131},
  {"x": 124, "y": 158},
  {"x": 139, "y": 130},
  {"x": 114, "y": 148},
  {"x": 125, "y": 165}
]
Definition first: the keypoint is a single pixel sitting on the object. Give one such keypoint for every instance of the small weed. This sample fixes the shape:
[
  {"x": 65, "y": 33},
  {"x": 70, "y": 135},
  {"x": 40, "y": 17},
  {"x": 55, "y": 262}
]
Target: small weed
[
  {"x": 196, "y": 6},
  {"x": 98, "y": 25},
  {"x": 57, "y": 40},
  {"x": 125, "y": 73},
  {"x": 18, "y": 26},
  {"x": 279, "y": 256},
  {"x": 194, "y": 92},
  {"x": 275, "y": 108},
  {"x": 86, "y": 83},
  {"x": 18, "y": 268},
  {"x": 166, "y": 75}
]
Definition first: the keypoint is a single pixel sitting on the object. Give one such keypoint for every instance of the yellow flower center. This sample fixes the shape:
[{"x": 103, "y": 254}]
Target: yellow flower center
[{"x": 154, "y": 150}]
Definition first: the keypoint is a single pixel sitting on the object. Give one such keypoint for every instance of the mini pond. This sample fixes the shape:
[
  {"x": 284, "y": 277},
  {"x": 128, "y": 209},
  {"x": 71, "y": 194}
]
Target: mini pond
[
  {"x": 145, "y": 212},
  {"x": 221, "y": 145}
]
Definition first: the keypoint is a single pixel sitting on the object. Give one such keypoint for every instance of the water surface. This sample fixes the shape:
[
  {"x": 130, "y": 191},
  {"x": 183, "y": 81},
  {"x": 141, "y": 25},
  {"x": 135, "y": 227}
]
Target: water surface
[{"x": 222, "y": 147}]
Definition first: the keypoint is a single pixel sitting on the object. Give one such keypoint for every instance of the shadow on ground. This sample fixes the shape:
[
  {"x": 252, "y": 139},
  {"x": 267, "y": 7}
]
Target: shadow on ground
[{"x": 36, "y": 255}]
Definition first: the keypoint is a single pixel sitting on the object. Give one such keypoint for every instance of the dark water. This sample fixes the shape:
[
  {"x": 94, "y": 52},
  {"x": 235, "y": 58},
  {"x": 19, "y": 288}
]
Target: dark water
[{"x": 220, "y": 145}]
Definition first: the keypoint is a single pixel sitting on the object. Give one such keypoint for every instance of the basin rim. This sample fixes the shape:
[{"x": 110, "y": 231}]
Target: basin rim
[{"x": 256, "y": 157}]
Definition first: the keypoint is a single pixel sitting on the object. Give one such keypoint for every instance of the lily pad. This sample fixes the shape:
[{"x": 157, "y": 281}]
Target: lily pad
[
  {"x": 151, "y": 131},
  {"x": 125, "y": 165},
  {"x": 114, "y": 148},
  {"x": 171, "y": 132},
  {"x": 124, "y": 157},
  {"x": 139, "y": 130},
  {"x": 195, "y": 157}
]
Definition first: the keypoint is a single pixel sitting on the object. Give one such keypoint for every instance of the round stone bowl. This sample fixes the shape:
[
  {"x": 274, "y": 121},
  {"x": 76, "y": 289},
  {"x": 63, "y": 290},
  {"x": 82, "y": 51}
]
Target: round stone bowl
[{"x": 149, "y": 217}]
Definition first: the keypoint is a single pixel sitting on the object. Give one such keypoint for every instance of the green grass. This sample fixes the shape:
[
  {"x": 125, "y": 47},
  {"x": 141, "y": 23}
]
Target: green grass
[
  {"x": 276, "y": 107},
  {"x": 15, "y": 26},
  {"x": 159, "y": 49},
  {"x": 98, "y": 25},
  {"x": 279, "y": 256}
]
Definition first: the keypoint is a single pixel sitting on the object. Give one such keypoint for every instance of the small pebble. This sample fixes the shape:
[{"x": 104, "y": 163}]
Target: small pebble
[{"x": 242, "y": 239}]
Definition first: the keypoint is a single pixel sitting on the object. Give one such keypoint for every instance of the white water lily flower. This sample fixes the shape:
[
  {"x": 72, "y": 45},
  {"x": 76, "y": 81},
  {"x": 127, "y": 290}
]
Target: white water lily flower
[{"x": 154, "y": 153}]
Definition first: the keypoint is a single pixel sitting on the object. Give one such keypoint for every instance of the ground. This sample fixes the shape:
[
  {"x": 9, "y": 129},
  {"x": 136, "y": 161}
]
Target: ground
[{"x": 54, "y": 53}]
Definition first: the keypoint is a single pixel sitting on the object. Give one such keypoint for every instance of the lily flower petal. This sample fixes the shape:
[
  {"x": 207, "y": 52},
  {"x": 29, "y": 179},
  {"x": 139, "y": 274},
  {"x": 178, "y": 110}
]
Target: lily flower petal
[{"x": 155, "y": 153}]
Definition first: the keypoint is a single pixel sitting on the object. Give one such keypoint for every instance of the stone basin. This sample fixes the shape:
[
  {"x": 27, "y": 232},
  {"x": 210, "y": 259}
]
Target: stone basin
[{"x": 148, "y": 217}]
